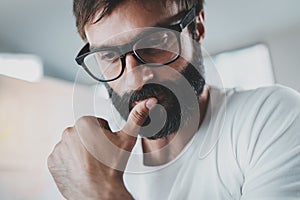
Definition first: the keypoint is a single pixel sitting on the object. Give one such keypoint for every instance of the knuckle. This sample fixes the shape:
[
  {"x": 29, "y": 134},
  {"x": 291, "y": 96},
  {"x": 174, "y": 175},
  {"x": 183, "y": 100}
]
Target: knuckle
[
  {"x": 52, "y": 157},
  {"x": 67, "y": 132},
  {"x": 50, "y": 161},
  {"x": 84, "y": 120}
]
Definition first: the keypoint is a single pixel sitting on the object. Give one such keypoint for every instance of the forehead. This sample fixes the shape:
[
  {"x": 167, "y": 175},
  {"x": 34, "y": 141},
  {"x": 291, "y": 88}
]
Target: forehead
[{"x": 128, "y": 18}]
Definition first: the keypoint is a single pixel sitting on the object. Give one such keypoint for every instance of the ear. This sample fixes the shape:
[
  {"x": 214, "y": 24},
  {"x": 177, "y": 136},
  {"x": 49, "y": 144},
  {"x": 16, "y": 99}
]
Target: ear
[{"x": 200, "y": 28}]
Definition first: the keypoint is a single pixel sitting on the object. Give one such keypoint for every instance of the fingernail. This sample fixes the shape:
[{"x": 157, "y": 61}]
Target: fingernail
[{"x": 151, "y": 103}]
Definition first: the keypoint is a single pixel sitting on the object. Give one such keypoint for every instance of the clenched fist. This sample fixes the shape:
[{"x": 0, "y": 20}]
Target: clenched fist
[{"x": 89, "y": 160}]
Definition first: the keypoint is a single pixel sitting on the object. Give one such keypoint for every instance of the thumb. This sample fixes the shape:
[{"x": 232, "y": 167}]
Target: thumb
[{"x": 138, "y": 116}]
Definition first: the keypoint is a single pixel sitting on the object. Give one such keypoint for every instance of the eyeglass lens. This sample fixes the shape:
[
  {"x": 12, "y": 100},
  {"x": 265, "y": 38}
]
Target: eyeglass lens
[{"x": 157, "y": 48}]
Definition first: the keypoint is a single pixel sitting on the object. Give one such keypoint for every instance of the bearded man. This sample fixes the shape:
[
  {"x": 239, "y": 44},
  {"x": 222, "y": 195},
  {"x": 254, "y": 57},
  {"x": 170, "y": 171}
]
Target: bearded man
[{"x": 182, "y": 139}]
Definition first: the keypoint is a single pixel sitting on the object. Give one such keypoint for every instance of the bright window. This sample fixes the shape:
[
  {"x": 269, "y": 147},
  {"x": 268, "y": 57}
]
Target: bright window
[
  {"x": 246, "y": 68},
  {"x": 21, "y": 66}
]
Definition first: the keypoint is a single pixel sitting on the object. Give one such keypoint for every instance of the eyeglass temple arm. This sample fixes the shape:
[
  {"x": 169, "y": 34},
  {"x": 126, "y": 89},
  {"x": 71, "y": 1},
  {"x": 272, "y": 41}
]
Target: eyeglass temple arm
[
  {"x": 189, "y": 18},
  {"x": 79, "y": 58}
]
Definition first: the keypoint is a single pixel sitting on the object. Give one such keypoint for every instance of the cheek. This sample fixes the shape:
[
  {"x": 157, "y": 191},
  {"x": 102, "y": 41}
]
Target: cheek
[
  {"x": 187, "y": 44},
  {"x": 116, "y": 86},
  {"x": 179, "y": 65},
  {"x": 186, "y": 53}
]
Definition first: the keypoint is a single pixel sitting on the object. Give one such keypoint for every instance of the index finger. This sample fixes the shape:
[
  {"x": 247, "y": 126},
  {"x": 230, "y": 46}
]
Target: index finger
[{"x": 138, "y": 116}]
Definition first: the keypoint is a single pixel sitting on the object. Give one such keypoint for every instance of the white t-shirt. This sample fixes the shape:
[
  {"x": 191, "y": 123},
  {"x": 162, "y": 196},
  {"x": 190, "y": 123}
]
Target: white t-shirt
[{"x": 248, "y": 147}]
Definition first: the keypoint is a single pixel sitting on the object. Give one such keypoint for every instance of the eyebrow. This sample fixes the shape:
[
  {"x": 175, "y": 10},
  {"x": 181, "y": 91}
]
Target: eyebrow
[
  {"x": 104, "y": 46},
  {"x": 172, "y": 20},
  {"x": 167, "y": 23}
]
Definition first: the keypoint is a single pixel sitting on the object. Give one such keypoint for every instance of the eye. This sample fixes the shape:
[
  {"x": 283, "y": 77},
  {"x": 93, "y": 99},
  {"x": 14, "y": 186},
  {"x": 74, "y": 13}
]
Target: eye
[
  {"x": 108, "y": 56},
  {"x": 153, "y": 42},
  {"x": 157, "y": 41}
]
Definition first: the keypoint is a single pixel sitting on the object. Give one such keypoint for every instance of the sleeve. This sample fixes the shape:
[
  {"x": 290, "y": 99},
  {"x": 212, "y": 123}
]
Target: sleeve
[{"x": 272, "y": 158}]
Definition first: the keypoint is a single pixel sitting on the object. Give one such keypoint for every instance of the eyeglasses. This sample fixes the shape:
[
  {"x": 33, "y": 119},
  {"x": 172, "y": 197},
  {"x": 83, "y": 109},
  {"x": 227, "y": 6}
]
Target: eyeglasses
[{"x": 157, "y": 47}]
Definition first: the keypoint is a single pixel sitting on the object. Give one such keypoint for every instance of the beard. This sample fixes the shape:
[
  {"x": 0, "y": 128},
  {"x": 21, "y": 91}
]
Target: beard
[{"x": 173, "y": 108}]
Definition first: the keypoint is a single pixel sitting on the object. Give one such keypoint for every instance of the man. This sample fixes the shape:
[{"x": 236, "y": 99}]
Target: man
[{"x": 182, "y": 139}]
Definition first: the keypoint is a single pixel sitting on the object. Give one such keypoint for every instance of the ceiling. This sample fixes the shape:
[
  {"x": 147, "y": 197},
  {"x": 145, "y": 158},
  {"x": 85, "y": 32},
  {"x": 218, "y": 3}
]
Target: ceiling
[{"x": 47, "y": 28}]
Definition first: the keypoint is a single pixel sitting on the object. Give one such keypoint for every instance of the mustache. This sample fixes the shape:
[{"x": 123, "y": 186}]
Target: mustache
[
  {"x": 148, "y": 90},
  {"x": 151, "y": 90},
  {"x": 166, "y": 98}
]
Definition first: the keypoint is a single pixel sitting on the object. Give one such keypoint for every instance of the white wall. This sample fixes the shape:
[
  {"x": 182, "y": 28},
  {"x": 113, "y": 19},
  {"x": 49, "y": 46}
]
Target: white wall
[
  {"x": 285, "y": 52},
  {"x": 232, "y": 25},
  {"x": 284, "y": 47}
]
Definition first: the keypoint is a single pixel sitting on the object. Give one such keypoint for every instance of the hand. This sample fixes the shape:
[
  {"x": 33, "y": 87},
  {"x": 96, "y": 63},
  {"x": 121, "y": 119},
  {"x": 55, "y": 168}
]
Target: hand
[{"x": 75, "y": 161}]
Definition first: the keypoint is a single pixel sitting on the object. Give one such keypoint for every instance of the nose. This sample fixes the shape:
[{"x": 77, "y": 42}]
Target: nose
[
  {"x": 131, "y": 61},
  {"x": 136, "y": 73}
]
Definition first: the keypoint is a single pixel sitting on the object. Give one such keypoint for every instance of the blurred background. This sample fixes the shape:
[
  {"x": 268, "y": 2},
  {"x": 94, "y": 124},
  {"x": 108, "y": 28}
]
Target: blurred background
[{"x": 251, "y": 43}]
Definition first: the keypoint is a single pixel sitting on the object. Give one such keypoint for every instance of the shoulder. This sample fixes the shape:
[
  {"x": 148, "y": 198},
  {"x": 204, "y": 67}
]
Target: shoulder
[
  {"x": 249, "y": 113},
  {"x": 262, "y": 100},
  {"x": 264, "y": 122},
  {"x": 266, "y": 130},
  {"x": 275, "y": 93},
  {"x": 260, "y": 142},
  {"x": 267, "y": 110}
]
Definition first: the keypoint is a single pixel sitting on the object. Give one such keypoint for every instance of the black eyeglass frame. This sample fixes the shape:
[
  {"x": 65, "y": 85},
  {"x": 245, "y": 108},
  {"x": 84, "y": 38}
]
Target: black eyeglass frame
[{"x": 123, "y": 49}]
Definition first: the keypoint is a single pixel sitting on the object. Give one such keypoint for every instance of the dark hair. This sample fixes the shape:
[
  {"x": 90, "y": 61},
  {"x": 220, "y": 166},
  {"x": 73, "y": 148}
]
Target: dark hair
[{"x": 86, "y": 10}]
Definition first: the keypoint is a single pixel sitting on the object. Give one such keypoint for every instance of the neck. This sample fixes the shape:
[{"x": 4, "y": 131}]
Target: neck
[{"x": 163, "y": 150}]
